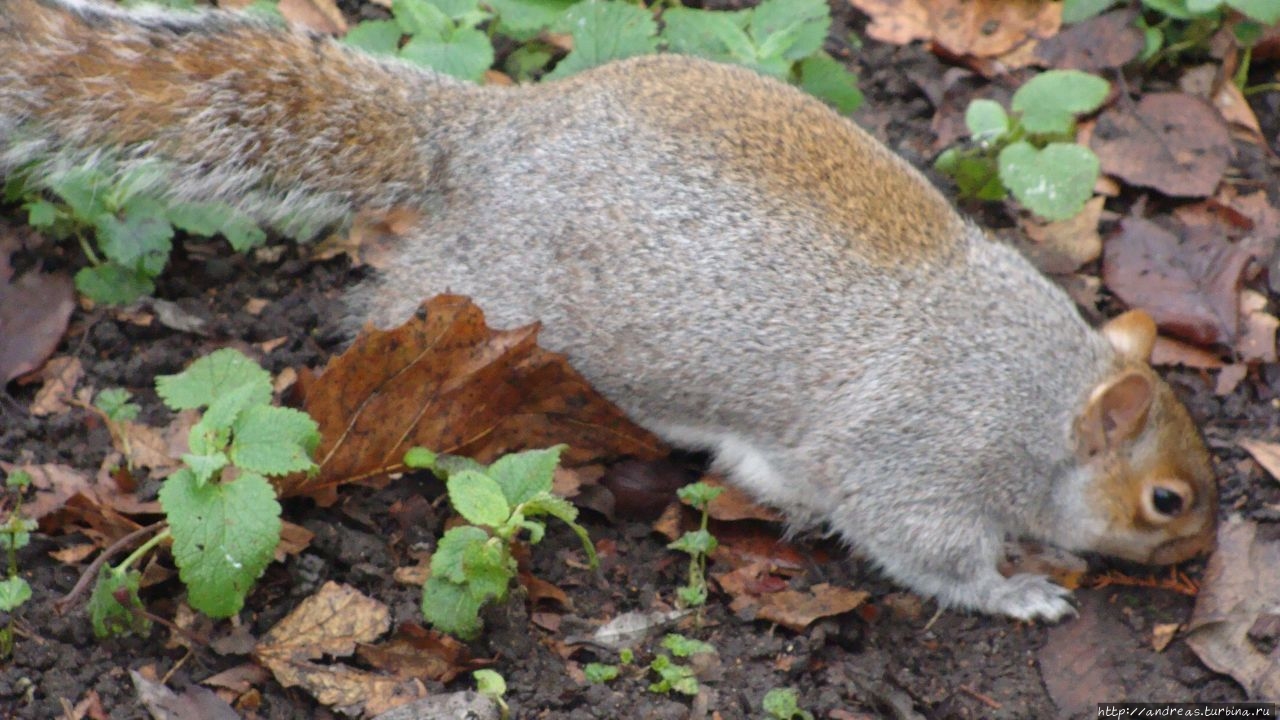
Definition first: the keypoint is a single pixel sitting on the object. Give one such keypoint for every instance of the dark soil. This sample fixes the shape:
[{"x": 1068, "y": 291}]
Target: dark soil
[{"x": 888, "y": 662}]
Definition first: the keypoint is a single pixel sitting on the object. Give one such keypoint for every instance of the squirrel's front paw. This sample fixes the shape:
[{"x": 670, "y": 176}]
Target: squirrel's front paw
[{"x": 1031, "y": 597}]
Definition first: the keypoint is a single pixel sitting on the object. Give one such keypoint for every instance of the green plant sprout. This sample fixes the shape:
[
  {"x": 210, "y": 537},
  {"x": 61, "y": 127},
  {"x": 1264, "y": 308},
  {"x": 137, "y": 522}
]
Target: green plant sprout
[
  {"x": 699, "y": 544},
  {"x": 784, "y": 704},
  {"x": 473, "y": 564},
  {"x": 115, "y": 408},
  {"x": 490, "y": 684},
  {"x": 1032, "y": 152},
  {"x": 673, "y": 676},
  {"x": 221, "y": 511},
  {"x": 15, "y": 533}
]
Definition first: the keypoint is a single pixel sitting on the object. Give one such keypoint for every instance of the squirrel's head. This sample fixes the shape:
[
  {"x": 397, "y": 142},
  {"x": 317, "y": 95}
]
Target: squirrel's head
[{"x": 1153, "y": 490}]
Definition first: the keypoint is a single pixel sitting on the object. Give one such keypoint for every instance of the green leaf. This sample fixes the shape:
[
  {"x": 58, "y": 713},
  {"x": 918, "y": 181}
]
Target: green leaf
[
  {"x": 447, "y": 465},
  {"x": 986, "y": 120},
  {"x": 16, "y": 531},
  {"x": 274, "y": 440},
  {"x": 977, "y": 175},
  {"x": 447, "y": 560},
  {"x": 828, "y": 79},
  {"x": 708, "y": 34},
  {"x": 419, "y": 458},
  {"x": 561, "y": 509},
  {"x": 600, "y": 673},
  {"x": 790, "y": 29},
  {"x": 1049, "y": 102},
  {"x": 198, "y": 218},
  {"x": 1203, "y": 7},
  {"x": 13, "y": 592},
  {"x": 18, "y": 479},
  {"x": 490, "y": 683},
  {"x": 525, "y": 474},
  {"x": 699, "y": 494},
  {"x": 1176, "y": 9},
  {"x": 692, "y": 595},
  {"x": 422, "y": 20},
  {"x": 241, "y": 232},
  {"x": 695, "y": 542},
  {"x": 465, "y": 55},
  {"x": 1266, "y": 12},
  {"x": 522, "y": 19},
  {"x": 478, "y": 498},
  {"x": 488, "y": 569},
  {"x": 83, "y": 190},
  {"x": 461, "y": 10},
  {"x": 204, "y": 467},
  {"x": 378, "y": 37},
  {"x": 41, "y": 214},
  {"x": 1054, "y": 182},
  {"x": 114, "y": 402},
  {"x": 605, "y": 30},
  {"x": 784, "y": 704},
  {"x": 450, "y": 608},
  {"x": 684, "y": 647},
  {"x": 139, "y": 241},
  {"x": 527, "y": 61},
  {"x": 109, "y": 617},
  {"x": 1074, "y": 11},
  {"x": 224, "y": 535},
  {"x": 112, "y": 284},
  {"x": 216, "y": 374}
]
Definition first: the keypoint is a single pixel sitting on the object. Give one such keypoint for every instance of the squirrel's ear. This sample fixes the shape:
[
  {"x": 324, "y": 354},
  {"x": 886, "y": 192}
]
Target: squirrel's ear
[
  {"x": 1116, "y": 412},
  {"x": 1132, "y": 334}
]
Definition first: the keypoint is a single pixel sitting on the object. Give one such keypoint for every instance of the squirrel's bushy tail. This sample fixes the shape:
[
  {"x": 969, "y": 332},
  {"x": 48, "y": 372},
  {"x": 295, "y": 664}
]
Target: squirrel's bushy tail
[{"x": 227, "y": 107}]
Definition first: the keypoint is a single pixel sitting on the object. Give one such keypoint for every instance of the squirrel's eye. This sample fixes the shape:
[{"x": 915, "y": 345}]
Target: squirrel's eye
[{"x": 1166, "y": 502}]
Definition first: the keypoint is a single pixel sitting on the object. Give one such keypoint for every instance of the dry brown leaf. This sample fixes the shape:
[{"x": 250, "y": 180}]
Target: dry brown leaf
[
  {"x": 1229, "y": 378},
  {"x": 1210, "y": 82},
  {"x": 293, "y": 540},
  {"x": 1173, "y": 142},
  {"x": 978, "y": 28},
  {"x": 240, "y": 679},
  {"x": 1102, "y": 42},
  {"x": 1162, "y": 634},
  {"x": 1062, "y": 247},
  {"x": 331, "y": 623},
  {"x": 1266, "y": 453},
  {"x": 734, "y": 504},
  {"x": 1257, "y": 341},
  {"x": 1239, "y": 588},
  {"x": 34, "y": 311},
  {"x": 415, "y": 652},
  {"x": 74, "y": 554},
  {"x": 193, "y": 702},
  {"x": 1077, "y": 660},
  {"x": 147, "y": 447},
  {"x": 447, "y": 382},
  {"x": 56, "y": 396},
  {"x": 372, "y": 236},
  {"x": 1190, "y": 285},
  {"x": 1174, "y": 352},
  {"x": 321, "y": 16},
  {"x": 797, "y": 609}
]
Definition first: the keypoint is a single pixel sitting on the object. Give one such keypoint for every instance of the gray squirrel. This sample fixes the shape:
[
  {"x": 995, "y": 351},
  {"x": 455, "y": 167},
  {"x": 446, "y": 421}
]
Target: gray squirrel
[{"x": 735, "y": 265}]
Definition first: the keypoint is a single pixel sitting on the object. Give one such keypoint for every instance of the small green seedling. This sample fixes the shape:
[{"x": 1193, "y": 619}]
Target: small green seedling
[
  {"x": 673, "y": 676},
  {"x": 114, "y": 405},
  {"x": 784, "y": 704},
  {"x": 600, "y": 673},
  {"x": 15, "y": 533},
  {"x": 492, "y": 685},
  {"x": 222, "y": 513},
  {"x": 1032, "y": 152},
  {"x": 473, "y": 564},
  {"x": 699, "y": 544}
]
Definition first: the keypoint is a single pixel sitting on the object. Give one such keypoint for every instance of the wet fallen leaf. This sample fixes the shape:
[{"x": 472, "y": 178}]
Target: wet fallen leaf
[
  {"x": 1266, "y": 453},
  {"x": 61, "y": 375},
  {"x": 447, "y": 382},
  {"x": 1062, "y": 247},
  {"x": 34, "y": 310},
  {"x": 1189, "y": 285},
  {"x": 1102, "y": 42},
  {"x": 979, "y": 28},
  {"x": 797, "y": 609},
  {"x": 1208, "y": 82},
  {"x": 1173, "y": 142},
  {"x": 1239, "y": 588},
  {"x": 1077, "y": 660},
  {"x": 330, "y": 624},
  {"x": 194, "y": 702},
  {"x": 239, "y": 679}
]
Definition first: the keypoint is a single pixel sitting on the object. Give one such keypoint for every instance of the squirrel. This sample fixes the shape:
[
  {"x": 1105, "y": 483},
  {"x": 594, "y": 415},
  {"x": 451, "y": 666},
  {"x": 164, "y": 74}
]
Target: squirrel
[{"x": 734, "y": 264}]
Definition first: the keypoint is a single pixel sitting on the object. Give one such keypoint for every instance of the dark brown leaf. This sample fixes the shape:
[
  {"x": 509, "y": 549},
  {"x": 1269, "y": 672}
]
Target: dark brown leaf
[{"x": 1173, "y": 142}]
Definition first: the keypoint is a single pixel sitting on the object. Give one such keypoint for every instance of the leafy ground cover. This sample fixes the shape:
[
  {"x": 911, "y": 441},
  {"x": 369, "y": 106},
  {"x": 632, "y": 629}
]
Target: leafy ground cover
[{"x": 1192, "y": 242}]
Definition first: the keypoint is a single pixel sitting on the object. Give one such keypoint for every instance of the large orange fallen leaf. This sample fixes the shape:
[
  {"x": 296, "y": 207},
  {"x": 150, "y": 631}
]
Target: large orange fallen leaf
[
  {"x": 978, "y": 28},
  {"x": 447, "y": 382}
]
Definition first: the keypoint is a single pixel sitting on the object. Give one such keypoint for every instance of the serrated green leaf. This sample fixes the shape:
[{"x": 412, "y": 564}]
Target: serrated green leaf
[
  {"x": 1074, "y": 11},
  {"x": 83, "y": 190},
  {"x": 226, "y": 408},
  {"x": 198, "y": 218},
  {"x": 789, "y": 29},
  {"x": 204, "y": 439},
  {"x": 114, "y": 402},
  {"x": 241, "y": 232},
  {"x": 684, "y": 647},
  {"x": 274, "y": 440},
  {"x": 523, "y": 19},
  {"x": 216, "y": 374},
  {"x": 1054, "y": 182},
  {"x": 699, "y": 494},
  {"x": 784, "y": 704},
  {"x": 13, "y": 592},
  {"x": 829, "y": 80},
  {"x": 139, "y": 240},
  {"x": 561, "y": 509},
  {"x": 422, "y": 20},
  {"x": 488, "y": 569},
  {"x": 447, "y": 560},
  {"x": 1266, "y": 12},
  {"x": 204, "y": 467},
  {"x": 695, "y": 542},
  {"x": 605, "y": 30},
  {"x": 1049, "y": 102},
  {"x": 986, "y": 120},
  {"x": 378, "y": 37},
  {"x": 112, "y": 284},
  {"x": 223, "y": 537},
  {"x": 525, "y": 474},
  {"x": 16, "y": 532},
  {"x": 450, "y": 608},
  {"x": 478, "y": 498},
  {"x": 712, "y": 35},
  {"x": 465, "y": 55},
  {"x": 600, "y": 673},
  {"x": 41, "y": 214},
  {"x": 108, "y": 616}
]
